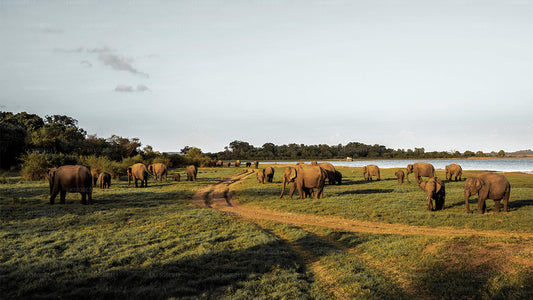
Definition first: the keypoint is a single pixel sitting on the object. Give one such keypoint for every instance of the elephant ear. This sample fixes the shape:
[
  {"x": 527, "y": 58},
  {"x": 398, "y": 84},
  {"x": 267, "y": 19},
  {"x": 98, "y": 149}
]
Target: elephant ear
[
  {"x": 478, "y": 183},
  {"x": 293, "y": 174},
  {"x": 438, "y": 186}
]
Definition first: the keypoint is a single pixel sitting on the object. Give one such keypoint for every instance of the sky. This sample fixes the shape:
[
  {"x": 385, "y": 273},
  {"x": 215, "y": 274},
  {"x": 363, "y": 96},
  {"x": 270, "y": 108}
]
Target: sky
[{"x": 440, "y": 75}]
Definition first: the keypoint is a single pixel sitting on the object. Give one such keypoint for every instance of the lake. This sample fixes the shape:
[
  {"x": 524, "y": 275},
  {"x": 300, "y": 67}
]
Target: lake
[{"x": 500, "y": 165}]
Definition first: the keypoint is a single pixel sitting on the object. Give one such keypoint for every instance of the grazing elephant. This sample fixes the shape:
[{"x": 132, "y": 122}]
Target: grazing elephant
[
  {"x": 330, "y": 170},
  {"x": 434, "y": 189},
  {"x": 338, "y": 177},
  {"x": 400, "y": 175},
  {"x": 286, "y": 179},
  {"x": 305, "y": 178},
  {"x": 105, "y": 180},
  {"x": 261, "y": 176},
  {"x": 248, "y": 164},
  {"x": 138, "y": 172},
  {"x": 71, "y": 178},
  {"x": 488, "y": 186},
  {"x": 371, "y": 170},
  {"x": 176, "y": 177},
  {"x": 219, "y": 163},
  {"x": 94, "y": 177},
  {"x": 229, "y": 164},
  {"x": 269, "y": 174},
  {"x": 158, "y": 170},
  {"x": 237, "y": 163},
  {"x": 454, "y": 170},
  {"x": 192, "y": 170},
  {"x": 420, "y": 169},
  {"x": 256, "y": 164}
]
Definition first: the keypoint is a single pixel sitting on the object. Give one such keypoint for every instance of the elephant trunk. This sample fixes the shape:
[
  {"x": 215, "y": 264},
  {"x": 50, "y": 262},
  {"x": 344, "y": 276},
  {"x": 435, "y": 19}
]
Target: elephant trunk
[
  {"x": 283, "y": 189},
  {"x": 467, "y": 196}
]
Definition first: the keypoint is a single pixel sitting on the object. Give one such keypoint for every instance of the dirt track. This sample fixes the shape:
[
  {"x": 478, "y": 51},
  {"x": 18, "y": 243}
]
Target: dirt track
[{"x": 218, "y": 196}]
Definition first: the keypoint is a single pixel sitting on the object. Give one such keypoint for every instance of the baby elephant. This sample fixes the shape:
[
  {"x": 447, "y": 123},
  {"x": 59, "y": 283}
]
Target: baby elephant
[
  {"x": 105, "y": 180},
  {"x": 400, "y": 175},
  {"x": 434, "y": 189},
  {"x": 176, "y": 177}
]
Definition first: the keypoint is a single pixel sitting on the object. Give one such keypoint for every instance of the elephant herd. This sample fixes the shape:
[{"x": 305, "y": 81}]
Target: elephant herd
[
  {"x": 305, "y": 178},
  {"x": 80, "y": 179}
]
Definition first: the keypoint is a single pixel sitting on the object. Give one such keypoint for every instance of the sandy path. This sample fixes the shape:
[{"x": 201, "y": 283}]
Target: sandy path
[{"x": 218, "y": 196}]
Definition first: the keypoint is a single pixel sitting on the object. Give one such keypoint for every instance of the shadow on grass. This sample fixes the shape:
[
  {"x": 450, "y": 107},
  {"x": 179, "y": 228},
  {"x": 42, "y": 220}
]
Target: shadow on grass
[
  {"x": 257, "y": 271},
  {"x": 517, "y": 204},
  {"x": 367, "y": 191}
]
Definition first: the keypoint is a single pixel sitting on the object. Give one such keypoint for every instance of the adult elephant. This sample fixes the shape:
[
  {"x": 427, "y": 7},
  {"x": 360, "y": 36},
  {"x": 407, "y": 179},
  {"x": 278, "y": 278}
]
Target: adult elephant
[
  {"x": 192, "y": 171},
  {"x": 269, "y": 174},
  {"x": 453, "y": 170},
  {"x": 105, "y": 180},
  {"x": 158, "y": 170},
  {"x": 138, "y": 172},
  {"x": 371, "y": 170},
  {"x": 286, "y": 179},
  {"x": 71, "y": 178},
  {"x": 434, "y": 189},
  {"x": 256, "y": 164},
  {"x": 237, "y": 163},
  {"x": 400, "y": 175},
  {"x": 420, "y": 169},
  {"x": 219, "y": 163},
  {"x": 248, "y": 164},
  {"x": 488, "y": 186},
  {"x": 305, "y": 178},
  {"x": 330, "y": 170}
]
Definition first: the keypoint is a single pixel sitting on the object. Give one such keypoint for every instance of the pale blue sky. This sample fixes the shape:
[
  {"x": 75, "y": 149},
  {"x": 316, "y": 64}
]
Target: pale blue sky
[{"x": 443, "y": 75}]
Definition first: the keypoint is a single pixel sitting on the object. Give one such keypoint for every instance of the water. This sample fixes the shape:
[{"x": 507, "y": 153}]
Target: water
[{"x": 499, "y": 165}]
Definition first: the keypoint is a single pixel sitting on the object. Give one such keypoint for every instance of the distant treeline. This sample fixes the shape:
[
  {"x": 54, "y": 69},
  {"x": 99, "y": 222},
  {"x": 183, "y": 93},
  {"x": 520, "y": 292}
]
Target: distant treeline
[
  {"x": 269, "y": 151},
  {"x": 27, "y": 140}
]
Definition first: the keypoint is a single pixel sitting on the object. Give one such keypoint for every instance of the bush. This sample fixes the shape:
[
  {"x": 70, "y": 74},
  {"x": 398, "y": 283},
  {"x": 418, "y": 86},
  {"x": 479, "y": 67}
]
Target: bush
[
  {"x": 35, "y": 165},
  {"x": 101, "y": 164}
]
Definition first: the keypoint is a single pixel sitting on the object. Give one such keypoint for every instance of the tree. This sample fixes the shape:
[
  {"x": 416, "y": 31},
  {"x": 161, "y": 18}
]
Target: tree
[
  {"x": 121, "y": 147},
  {"x": 501, "y": 153}
]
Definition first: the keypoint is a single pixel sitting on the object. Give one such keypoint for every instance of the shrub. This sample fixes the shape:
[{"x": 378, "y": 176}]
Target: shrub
[{"x": 35, "y": 165}]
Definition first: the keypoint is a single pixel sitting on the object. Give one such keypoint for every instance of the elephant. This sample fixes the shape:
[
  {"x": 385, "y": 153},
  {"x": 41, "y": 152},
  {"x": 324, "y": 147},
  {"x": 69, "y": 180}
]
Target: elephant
[
  {"x": 256, "y": 164},
  {"x": 94, "y": 176},
  {"x": 237, "y": 163},
  {"x": 338, "y": 177},
  {"x": 192, "y": 171},
  {"x": 261, "y": 176},
  {"x": 286, "y": 179},
  {"x": 158, "y": 170},
  {"x": 176, "y": 177},
  {"x": 305, "y": 178},
  {"x": 434, "y": 189},
  {"x": 248, "y": 164},
  {"x": 330, "y": 170},
  {"x": 488, "y": 186},
  {"x": 454, "y": 170},
  {"x": 219, "y": 163},
  {"x": 400, "y": 175},
  {"x": 138, "y": 172},
  {"x": 420, "y": 169},
  {"x": 105, "y": 180},
  {"x": 371, "y": 170},
  {"x": 269, "y": 174},
  {"x": 71, "y": 178}
]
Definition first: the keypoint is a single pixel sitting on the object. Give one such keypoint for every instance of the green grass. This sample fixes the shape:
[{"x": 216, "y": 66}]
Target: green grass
[
  {"x": 387, "y": 201},
  {"x": 152, "y": 243},
  {"x": 141, "y": 243}
]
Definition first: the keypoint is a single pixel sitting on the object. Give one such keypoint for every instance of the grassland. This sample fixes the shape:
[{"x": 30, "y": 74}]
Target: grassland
[{"x": 152, "y": 243}]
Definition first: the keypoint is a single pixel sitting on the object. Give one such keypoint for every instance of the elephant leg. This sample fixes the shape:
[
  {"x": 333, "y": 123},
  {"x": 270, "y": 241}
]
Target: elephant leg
[
  {"x": 62, "y": 196},
  {"x": 481, "y": 206},
  {"x": 320, "y": 193},
  {"x": 83, "y": 198},
  {"x": 90, "y": 198},
  {"x": 497, "y": 206},
  {"x": 430, "y": 203},
  {"x": 291, "y": 192}
]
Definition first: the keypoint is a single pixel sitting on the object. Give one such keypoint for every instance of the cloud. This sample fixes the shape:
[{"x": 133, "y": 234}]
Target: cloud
[
  {"x": 109, "y": 58},
  {"x": 86, "y": 64},
  {"x": 130, "y": 89}
]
